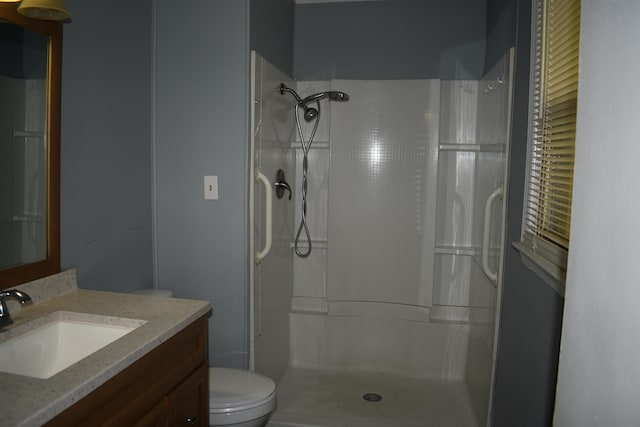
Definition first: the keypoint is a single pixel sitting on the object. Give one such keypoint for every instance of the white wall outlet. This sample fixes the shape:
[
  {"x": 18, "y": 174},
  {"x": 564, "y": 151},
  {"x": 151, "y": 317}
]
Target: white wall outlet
[{"x": 211, "y": 188}]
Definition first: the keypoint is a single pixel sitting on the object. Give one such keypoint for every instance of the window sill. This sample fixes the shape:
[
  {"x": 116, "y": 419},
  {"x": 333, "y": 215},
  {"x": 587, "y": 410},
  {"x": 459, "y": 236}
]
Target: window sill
[{"x": 550, "y": 273}]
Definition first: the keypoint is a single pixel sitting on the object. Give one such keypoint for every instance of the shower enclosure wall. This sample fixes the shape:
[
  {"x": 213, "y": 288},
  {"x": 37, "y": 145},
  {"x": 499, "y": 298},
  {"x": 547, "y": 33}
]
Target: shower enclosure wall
[{"x": 398, "y": 183}]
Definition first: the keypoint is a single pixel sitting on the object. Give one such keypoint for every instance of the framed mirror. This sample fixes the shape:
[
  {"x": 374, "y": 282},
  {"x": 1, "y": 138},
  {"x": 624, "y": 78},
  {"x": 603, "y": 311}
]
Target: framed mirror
[{"x": 30, "y": 73}]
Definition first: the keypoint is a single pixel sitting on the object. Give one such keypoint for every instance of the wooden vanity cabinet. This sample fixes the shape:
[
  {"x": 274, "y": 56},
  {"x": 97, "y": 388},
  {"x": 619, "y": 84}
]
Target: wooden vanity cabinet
[
  {"x": 167, "y": 387},
  {"x": 185, "y": 402}
]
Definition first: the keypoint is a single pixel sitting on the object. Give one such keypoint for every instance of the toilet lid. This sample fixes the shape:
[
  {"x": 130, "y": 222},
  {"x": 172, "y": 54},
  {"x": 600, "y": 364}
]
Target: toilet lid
[{"x": 234, "y": 388}]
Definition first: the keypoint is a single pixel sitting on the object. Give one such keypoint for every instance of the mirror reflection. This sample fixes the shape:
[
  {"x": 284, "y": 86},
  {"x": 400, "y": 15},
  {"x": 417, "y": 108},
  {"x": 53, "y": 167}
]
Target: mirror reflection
[
  {"x": 30, "y": 52},
  {"x": 23, "y": 145}
]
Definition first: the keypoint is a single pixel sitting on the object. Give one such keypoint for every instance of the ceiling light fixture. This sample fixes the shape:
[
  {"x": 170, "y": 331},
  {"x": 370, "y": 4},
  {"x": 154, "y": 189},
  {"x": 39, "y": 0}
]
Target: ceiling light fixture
[{"x": 50, "y": 10}]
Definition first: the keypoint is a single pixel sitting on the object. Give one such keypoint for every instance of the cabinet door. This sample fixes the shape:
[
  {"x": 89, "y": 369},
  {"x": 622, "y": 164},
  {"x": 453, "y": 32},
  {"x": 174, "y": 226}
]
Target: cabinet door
[
  {"x": 157, "y": 417},
  {"x": 189, "y": 402}
]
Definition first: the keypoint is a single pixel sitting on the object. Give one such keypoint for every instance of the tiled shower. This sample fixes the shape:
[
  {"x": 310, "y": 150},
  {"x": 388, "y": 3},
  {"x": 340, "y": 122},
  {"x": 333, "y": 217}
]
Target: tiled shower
[{"x": 398, "y": 183}]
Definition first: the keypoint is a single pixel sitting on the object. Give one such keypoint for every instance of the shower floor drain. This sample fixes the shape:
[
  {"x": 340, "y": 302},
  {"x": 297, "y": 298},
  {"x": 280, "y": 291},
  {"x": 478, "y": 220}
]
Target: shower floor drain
[{"x": 372, "y": 397}]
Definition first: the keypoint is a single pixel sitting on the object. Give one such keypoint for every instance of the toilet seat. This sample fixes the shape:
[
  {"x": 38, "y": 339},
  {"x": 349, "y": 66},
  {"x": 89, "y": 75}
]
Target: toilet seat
[{"x": 239, "y": 395}]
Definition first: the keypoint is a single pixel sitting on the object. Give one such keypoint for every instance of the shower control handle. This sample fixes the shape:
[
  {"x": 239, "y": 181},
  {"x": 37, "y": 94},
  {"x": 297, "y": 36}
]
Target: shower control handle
[{"x": 281, "y": 185}]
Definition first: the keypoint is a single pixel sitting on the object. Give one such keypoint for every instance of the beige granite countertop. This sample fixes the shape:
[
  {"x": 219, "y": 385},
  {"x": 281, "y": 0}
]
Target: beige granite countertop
[{"x": 31, "y": 402}]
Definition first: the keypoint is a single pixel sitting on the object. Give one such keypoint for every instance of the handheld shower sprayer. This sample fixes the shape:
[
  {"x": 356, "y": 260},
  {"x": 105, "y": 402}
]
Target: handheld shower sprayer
[
  {"x": 332, "y": 95},
  {"x": 311, "y": 114}
]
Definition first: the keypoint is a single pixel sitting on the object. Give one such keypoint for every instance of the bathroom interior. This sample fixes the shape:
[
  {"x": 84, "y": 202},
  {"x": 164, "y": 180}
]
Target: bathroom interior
[{"x": 392, "y": 315}]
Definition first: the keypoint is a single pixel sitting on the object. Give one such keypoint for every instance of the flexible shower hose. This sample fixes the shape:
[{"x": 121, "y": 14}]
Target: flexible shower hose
[{"x": 306, "y": 145}]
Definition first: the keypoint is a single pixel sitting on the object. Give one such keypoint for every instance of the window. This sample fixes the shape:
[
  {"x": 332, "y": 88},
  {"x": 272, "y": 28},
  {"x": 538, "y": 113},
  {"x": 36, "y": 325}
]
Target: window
[{"x": 554, "y": 96}]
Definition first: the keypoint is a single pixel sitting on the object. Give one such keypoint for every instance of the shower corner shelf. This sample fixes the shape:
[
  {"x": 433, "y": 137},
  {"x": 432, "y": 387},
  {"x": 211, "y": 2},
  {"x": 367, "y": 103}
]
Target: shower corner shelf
[
  {"x": 458, "y": 250},
  {"x": 496, "y": 147},
  {"x": 317, "y": 244},
  {"x": 463, "y": 250},
  {"x": 322, "y": 145},
  {"x": 474, "y": 252},
  {"x": 309, "y": 305},
  {"x": 450, "y": 314},
  {"x": 29, "y": 217},
  {"x": 28, "y": 133}
]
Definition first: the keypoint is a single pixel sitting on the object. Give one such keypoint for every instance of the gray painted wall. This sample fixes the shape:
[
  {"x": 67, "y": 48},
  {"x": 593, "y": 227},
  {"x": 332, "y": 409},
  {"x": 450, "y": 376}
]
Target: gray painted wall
[
  {"x": 501, "y": 29},
  {"x": 202, "y": 77},
  {"x": 399, "y": 39},
  {"x": 272, "y": 32},
  {"x": 105, "y": 165},
  {"x": 531, "y": 318}
]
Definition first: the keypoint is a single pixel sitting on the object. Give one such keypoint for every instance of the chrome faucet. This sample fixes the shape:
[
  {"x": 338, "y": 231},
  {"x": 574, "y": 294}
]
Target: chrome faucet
[{"x": 21, "y": 297}]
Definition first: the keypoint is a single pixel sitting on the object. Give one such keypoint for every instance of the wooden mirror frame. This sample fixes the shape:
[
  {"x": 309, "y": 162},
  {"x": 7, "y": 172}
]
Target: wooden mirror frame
[{"x": 53, "y": 30}]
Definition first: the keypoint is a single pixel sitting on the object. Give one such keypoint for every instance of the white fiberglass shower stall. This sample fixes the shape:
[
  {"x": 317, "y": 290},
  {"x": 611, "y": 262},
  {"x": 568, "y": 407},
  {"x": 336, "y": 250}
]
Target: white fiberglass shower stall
[{"x": 391, "y": 319}]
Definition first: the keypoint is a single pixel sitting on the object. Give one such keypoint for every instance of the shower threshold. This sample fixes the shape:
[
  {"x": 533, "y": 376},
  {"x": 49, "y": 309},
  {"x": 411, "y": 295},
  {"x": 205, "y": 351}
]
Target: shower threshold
[{"x": 326, "y": 398}]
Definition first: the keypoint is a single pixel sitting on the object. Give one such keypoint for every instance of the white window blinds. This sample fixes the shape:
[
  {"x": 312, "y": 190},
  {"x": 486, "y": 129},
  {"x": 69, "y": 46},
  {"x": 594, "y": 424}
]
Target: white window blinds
[{"x": 547, "y": 214}]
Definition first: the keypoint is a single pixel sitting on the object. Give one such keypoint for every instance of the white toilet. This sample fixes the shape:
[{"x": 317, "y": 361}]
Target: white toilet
[
  {"x": 240, "y": 398},
  {"x": 236, "y": 397}
]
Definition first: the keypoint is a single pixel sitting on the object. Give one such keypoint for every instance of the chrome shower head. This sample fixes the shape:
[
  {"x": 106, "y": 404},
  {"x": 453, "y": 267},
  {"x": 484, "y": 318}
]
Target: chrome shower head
[{"x": 311, "y": 113}]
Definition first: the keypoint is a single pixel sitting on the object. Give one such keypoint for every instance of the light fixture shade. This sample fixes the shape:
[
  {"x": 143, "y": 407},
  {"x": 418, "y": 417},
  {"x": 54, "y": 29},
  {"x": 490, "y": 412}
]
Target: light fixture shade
[{"x": 52, "y": 10}]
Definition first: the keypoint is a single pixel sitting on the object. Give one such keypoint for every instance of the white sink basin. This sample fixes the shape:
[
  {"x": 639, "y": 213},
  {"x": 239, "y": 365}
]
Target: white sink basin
[{"x": 50, "y": 345}]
